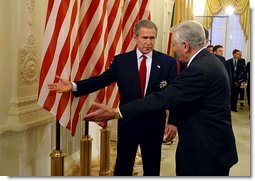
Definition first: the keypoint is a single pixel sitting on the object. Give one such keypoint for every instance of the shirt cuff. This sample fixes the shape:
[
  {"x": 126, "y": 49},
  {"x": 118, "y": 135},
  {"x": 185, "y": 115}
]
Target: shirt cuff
[
  {"x": 74, "y": 87},
  {"x": 119, "y": 113}
]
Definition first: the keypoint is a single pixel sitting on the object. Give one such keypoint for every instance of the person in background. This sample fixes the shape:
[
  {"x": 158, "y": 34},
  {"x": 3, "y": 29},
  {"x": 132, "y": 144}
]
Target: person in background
[
  {"x": 218, "y": 52},
  {"x": 242, "y": 87},
  {"x": 210, "y": 48},
  {"x": 127, "y": 70},
  {"x": 237, "y": 65},
  {"x": 200, "y": 101},
  {"x": 248, "y": 82}
]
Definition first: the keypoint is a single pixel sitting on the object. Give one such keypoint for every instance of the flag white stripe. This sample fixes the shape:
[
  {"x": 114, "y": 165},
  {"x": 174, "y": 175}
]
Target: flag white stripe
[
  {"x": 52, "y": 69},
  {"x": 101, "y": 50}
]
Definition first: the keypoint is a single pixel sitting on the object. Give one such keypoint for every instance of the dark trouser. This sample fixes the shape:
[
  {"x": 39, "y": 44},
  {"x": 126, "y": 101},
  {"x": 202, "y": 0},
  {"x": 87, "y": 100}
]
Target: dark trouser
[
  {"x": 196, "y": 167},
  {"x": 241, "y": 92},
  {"x": 234, "y": 97},
  {"x": 126, "y": 157},
  {"x": 217, "y": 172},
  {"x": 150, "y": 141},
  {"x": 248, "y": 93}
]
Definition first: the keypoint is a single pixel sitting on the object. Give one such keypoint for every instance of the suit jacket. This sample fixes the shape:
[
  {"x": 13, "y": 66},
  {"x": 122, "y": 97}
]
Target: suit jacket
[
  {"x": 227, "y": 66},
  {"x": 239, "y": 75},
  {"x": 124, "y": 71},
  {"x": 200, "y": 100}
]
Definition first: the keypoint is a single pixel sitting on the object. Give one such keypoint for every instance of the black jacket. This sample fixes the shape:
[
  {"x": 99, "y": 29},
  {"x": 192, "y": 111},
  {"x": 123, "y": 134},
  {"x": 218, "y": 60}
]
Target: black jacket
[{"x": 200, "y": 100}]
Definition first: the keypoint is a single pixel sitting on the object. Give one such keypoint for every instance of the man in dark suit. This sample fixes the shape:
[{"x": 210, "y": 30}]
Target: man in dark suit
[
  {"x": 147, "y": 130},
  {"x": 248, "y": 82},
  {"x": 239, "y": 75},
  {"x": 218, "y": 51},
  {"x": 200, "y": 101}
]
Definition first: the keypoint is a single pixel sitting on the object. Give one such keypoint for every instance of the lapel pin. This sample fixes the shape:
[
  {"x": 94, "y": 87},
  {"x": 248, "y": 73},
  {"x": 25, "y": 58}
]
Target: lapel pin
[
  {"x": 158, "y": 66},
  {"x": 163, "y": 84}
]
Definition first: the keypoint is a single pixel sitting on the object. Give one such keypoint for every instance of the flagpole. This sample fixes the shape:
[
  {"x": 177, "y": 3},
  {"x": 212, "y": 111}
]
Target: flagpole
[
  {"x": 86, "y": 128},
  {"x": 57, "y": 135},
  {"x": 57, "y": 156},
  {"x": 85, "y": 152},
  {"x": 105, "y": 152}
]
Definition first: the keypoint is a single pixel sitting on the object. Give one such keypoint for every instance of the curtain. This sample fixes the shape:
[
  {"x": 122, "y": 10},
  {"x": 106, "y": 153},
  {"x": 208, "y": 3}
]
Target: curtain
[
  {"x": 242, "y": 8},
  {"x": 182, "y": 10}
]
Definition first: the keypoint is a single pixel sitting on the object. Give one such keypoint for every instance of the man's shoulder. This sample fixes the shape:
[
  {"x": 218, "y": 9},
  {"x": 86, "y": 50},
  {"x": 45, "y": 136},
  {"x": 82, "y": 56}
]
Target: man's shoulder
[
  {"x": 125, "y": 54},
  {"x": 162, "y": 55},
  {"x": 243, "y": 60}
]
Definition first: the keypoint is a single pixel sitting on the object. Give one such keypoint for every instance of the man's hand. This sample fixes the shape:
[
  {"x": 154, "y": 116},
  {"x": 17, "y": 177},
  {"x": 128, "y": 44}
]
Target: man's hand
[
  {"x": 63, "y": 85},
  {"x": 170, "y": 132},
  {"x": 99, "y": 113}
]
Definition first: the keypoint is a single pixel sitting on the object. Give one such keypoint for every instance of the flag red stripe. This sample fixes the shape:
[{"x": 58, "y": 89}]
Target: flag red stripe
[
  {"x": 112, "y": 15},
  {"x": 129, "y": 9},
  {"x": 76, "y": 114},
  {"x": 112, "y": 49},
  {"x": 116, "y": 101},
  {"x": 48, "y": 58},
  {"x": 82, "y": 30},
  {"x": 90, "y": 49},
  {"x": 88, "y": 53},
  {"x": 49, "y": 10},
  {"x": 102, "y": 38},
  {"x": 64, "y": 54},
  {"x": 129, "y": 36},
  {"x": 142, "y": 8}
]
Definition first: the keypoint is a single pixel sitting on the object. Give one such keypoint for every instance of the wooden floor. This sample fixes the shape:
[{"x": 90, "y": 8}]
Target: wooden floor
[{"x": 242, "y": 131}]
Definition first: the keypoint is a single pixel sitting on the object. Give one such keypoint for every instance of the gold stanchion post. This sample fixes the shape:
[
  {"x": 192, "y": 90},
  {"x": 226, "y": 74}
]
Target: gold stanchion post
[
  {"x": 105, "y": 152},
  {"x": 85, "y": 155},
  {"x": 57, "y": 156},
  {"x": 85, "y": 152},
  {"x": 57, "y": 163}
]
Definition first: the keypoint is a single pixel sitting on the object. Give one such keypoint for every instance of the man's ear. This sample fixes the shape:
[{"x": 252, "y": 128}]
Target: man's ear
[
  {"x": 135, "y": 37},
  {"x": 186, "y": 46}
]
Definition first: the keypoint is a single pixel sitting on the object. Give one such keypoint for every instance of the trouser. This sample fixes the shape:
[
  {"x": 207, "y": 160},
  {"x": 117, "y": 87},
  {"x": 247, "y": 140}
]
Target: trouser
[
  {"x": 248, "y": 94},
  {"x": 126, "y": 153},
  {"x": 241, "y": 98},
  {"x": 234, "y": 97}
]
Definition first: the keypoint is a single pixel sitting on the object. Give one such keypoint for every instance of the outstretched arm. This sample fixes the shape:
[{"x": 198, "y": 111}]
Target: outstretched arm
[{"x": 101, "y": 112}]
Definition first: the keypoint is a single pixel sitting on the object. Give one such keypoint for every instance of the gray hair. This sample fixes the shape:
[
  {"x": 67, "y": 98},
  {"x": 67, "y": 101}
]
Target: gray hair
[
  {"x": 191, "y": 32},
  {"x": 145, "y": 23}
]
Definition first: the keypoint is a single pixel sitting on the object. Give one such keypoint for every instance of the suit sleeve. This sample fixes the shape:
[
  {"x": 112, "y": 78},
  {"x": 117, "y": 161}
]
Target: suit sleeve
[
  {"x": 173, "y": 73},
  {"x": 228, "y": 67},
  {"x": 189, "y": 87},
  {"x": 95, "y": 83}
]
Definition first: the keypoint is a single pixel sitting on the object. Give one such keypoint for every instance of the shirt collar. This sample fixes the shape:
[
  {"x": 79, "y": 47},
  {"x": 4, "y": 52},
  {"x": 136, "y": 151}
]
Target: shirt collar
[
  {"x": 139, "y": 54},
  {"x": 195, "y": 55}
]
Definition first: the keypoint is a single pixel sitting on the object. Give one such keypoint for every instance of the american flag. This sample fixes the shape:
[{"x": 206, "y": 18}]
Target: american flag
[{"x": 80, "y": 40}]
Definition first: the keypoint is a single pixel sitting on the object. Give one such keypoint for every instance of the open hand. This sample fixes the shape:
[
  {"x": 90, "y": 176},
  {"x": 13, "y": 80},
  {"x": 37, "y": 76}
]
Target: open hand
[
  {"x": 63, "y": 85},
  {"x": 99, "y": 113}
]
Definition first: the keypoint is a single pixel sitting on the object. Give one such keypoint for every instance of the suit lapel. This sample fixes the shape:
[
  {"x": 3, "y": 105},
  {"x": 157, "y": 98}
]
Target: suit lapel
[
  {"x": 133, "y": 70},
  {"x": 155, "y": 71}
]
